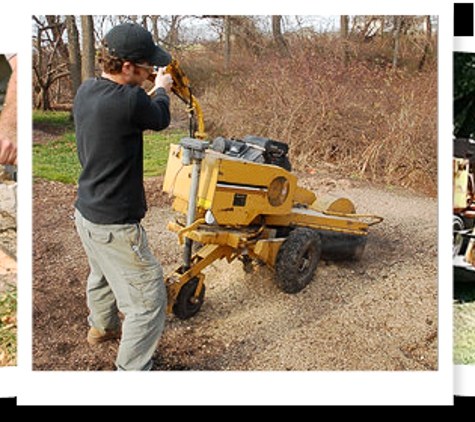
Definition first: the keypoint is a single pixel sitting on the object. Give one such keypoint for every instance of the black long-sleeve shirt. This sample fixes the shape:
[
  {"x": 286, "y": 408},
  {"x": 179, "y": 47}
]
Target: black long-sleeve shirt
[{"x": 110, "y": 119}]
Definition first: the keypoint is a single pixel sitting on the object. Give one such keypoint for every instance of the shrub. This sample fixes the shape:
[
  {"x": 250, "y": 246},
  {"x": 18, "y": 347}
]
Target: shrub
[{"x": 361, "y": 118}]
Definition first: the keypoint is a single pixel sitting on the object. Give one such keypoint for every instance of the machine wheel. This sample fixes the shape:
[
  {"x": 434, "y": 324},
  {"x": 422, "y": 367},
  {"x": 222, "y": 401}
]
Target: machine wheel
[
  {"x": 357, "y": 252},
  {"x": 186, "y": 305},
  {"x": 297, "y": 260},
  {"x": 353, "y": 249},
  {"x": 457, "y": 238}
]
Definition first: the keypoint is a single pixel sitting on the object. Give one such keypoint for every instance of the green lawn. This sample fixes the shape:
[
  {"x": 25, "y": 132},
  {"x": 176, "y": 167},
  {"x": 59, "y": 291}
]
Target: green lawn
[
  {"x": 57, "y": 159},
  {"x": 464, "y": 321}
]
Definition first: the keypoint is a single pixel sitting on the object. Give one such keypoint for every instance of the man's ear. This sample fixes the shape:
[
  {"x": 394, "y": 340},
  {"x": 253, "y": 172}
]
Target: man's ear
[{"x": 127, "y": 68}]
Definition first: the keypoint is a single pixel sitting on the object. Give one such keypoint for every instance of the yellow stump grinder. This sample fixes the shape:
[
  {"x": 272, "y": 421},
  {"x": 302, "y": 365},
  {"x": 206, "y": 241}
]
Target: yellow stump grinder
[{"x": 238, "y": 199}]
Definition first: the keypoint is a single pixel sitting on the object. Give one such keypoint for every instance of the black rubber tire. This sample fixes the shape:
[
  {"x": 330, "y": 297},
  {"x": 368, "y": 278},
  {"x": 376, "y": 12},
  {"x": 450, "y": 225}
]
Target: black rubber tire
[
  {"x": 297, "y": 260},
  {"x": 356, "y": 252},
  {"x": 184, "y": 308},
  {"x": 457, "y": 240},
  {"x": 341, "y": 246}
]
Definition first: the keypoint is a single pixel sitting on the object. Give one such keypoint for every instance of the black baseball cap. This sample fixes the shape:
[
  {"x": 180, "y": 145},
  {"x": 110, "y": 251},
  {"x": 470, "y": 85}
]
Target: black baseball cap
[{"x": 133, "y": 42}]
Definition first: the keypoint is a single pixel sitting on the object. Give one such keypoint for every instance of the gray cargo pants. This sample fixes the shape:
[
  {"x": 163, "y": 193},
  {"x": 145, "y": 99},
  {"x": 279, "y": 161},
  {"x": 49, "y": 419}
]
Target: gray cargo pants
[{"x": 126, "y": 277}]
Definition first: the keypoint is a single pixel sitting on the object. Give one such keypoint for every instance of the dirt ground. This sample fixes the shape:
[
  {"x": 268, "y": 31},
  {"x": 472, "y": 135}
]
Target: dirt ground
[
  {"x": 8, "y": 230},
  {"x": 8, "y": 250},
  {"x": 376, "y": 314},
  {"x": 8, "y": 271}
]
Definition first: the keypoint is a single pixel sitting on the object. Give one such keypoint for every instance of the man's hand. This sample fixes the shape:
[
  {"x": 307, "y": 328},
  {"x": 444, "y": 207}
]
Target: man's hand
[
  {"x": 8, "y": 120},
  {"x": 163, "y": 80},
  {"x": 8, "y": 152}
]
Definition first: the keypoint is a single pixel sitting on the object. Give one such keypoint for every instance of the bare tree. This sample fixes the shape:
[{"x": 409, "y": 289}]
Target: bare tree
[
  {"x": 227, "y": 42},
  {"x": 88, "y": 47},
  {"x": 47, "y": 68},
  {"x": 154, "y": 20},
  {"x": 398, "y": 20},
  {"x": 428, "y": 40},
  {"x": 74, "y": 53},
  {"x": 59, "y": 54},
  {"x": 344, "y": 37},
  {"x": 279, "y": 39},
  {"x": 56, "y": 26}
]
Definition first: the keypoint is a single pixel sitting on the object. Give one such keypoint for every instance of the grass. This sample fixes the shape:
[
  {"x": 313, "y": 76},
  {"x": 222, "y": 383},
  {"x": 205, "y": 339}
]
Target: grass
[
  {"x": 8, "y": 326},
  {"x": 56, "y": 159},
  {"x": 464, "y": 321}
]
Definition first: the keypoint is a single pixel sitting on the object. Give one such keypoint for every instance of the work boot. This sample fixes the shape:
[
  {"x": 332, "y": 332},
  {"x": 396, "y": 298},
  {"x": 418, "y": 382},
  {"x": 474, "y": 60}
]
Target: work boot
[{"x": 96, "y": 336}]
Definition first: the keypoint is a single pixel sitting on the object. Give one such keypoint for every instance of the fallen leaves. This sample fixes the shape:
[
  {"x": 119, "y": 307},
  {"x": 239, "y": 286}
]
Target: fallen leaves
[{"x": 8, "y": 327}]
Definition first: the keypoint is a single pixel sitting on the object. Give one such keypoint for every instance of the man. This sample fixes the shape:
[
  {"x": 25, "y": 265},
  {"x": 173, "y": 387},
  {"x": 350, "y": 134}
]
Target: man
[
  {"x": 8, "y": 107},
  {"x": 8, "y": 133},
  {"x": 8, "y": 158},
  {"x": 110, "y": 114}
]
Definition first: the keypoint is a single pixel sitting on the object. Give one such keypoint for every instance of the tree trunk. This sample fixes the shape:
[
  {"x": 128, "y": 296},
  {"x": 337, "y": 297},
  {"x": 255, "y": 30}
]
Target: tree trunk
[
  {"x": 172, "y": 38},
  {"x": 344, "y": 37},
  {"x": 227, "y": 42},
  {"x": 154, "y": 19},
  {"x": 88, "y": 54},
  {"x": 74, "y": 53},
  {"x": 427, "y": 43},
  {"x": 397, "y": 33},
  {"x": 279, "y": 39}
]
